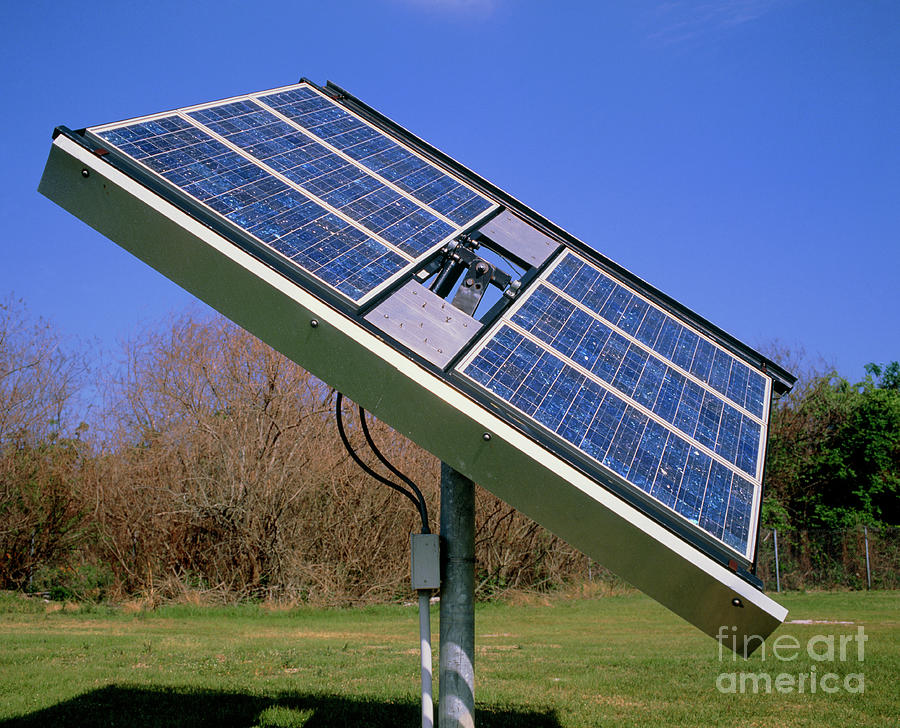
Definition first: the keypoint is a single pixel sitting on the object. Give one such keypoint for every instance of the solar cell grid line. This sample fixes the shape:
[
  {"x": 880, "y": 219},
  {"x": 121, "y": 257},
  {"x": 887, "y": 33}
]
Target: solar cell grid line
[
  {"x": 588, "y": 343},
  {"x": 614, "y": 433},
  {"x": 338, "y": 181},
  {"x": 271, "y": 210},
  {"x": 650, "y": 326},
  {"x": 381, "y": 154}
]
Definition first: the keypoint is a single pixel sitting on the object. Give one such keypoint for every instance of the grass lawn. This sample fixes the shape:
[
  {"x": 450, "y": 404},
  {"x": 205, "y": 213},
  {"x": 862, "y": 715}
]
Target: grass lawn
[{"x": 613, "y": 661}]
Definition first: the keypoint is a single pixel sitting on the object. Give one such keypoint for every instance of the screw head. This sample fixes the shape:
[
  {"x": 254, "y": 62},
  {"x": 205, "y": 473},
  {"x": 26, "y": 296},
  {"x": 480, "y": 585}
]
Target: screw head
[
  {"x": 314, "y": 323},
  {"x": 737, "y": 603},
  {"x": 85, "y": 172},
  {"x": 486, "y": 437}
]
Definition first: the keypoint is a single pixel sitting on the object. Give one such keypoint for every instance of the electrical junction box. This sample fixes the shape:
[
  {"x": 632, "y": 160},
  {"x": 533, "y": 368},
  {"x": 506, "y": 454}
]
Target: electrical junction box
[{"x": 426, "y": 562}]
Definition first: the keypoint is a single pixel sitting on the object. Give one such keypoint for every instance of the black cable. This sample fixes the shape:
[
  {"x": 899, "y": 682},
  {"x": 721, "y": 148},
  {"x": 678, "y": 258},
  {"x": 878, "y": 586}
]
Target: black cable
[
  {"x": 423, "y": 508},
  {"x": 420, "y": 504}
]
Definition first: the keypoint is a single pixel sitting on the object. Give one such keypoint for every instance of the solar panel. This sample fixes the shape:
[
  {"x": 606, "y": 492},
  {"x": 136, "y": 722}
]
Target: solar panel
[
  {"x": 623, "y": 382},
  {"x": 592, "y": 402},
  {"x": 347, "y": 224}
]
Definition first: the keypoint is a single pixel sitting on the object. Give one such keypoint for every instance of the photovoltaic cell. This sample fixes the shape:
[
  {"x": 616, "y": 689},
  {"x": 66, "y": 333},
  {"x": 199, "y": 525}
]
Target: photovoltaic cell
[
  {"x": 377, "y": 152},
  {"x": 275, "y": 213},
  {"x": 572, "y": 356}
]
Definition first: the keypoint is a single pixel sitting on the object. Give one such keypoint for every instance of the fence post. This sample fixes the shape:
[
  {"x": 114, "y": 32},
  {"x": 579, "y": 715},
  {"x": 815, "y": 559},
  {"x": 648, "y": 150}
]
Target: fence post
[
  {"x": 777, "y": 569},
  {"x": 868, "y": 570}
]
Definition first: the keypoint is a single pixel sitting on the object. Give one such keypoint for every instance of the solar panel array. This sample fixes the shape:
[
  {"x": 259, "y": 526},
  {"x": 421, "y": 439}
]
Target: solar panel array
[
  {"x": 354, "y": 208},
  {"x": 635, "y": 390}
]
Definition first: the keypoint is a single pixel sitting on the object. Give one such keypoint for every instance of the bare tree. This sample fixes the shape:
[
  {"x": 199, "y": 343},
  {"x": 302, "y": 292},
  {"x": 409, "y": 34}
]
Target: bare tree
[
  {"x": 41, "y": 514},
  {"x": 39, "y": 376}
]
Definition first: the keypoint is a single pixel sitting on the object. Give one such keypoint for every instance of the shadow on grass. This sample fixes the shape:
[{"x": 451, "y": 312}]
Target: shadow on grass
[{"x": 155, "y": 707}]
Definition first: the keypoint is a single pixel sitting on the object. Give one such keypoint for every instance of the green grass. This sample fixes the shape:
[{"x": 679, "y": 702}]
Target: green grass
[{"x": 618, "y": 660}]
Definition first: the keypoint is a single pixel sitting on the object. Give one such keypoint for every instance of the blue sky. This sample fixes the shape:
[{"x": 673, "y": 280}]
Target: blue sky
[{"x": 743, "y": 156}]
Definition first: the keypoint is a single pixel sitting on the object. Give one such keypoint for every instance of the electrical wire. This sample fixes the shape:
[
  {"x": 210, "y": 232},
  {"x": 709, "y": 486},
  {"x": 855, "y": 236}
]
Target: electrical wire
[
  {"x": 386, "y": 462},
  {"x": 415, "y": 495}
]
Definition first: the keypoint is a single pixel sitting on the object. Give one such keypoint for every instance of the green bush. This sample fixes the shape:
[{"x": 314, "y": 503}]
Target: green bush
[{"x": 86, "y": 582}]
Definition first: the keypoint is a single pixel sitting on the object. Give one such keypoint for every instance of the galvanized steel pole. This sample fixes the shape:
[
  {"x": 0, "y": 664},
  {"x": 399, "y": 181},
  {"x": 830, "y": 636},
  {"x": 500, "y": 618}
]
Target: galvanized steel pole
[{"x": 456, "y": 702}]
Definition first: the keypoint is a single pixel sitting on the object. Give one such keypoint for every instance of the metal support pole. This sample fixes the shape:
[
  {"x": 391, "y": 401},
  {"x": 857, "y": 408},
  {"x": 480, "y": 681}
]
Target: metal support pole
[
  {"x": 777, "y": 570},
  {"x": 425, "y": 651},
  {"x": 868, "y": 570},
  {"x": 456, "y": 704}
]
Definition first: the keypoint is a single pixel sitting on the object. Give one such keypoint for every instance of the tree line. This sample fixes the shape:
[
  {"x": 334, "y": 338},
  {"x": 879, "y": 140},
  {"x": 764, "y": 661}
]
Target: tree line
[{"x": 206, "y": 463}]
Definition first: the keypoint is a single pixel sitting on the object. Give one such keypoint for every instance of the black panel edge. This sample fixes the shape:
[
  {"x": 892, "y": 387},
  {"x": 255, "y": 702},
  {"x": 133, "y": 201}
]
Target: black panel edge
[{"x": 782, "y": 379}]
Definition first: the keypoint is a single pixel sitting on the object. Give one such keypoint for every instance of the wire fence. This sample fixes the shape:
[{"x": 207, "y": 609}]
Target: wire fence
[{"x": 853, "y": 558}]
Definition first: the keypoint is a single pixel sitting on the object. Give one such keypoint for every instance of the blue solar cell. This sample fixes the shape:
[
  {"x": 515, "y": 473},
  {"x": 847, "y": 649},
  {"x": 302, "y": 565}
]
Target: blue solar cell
[
  {"x": 667, "y": 339},
  {"x": 715, "y": 504},
  {"x": 737, "y": 521},
  {"x": 693, "y": 485},
  {"x": 320, "y": 171},
  {"x": 685, "y": 348},
  {"x": 277, "y": 214},
  {"x": 688, "y": 412},
  {"x": 709, "y": 419},
  {"x": 630, "y": 370},
  {"x": 756, "y": 393},
  {"x": 703, "y": 358},
  {"x": 650, "y": 327},
  {"x": 647, "y": 391},
  {"x": 623, "y": 441},
  {"x": 669, "y": 395},
  {"x": 602, "y": 420},
  {"x": 671, "y": 471},
  {"x": 737, "y": 382},
  {"x": 380, "y": 154},
  {"x": 633, "y": 315},
  {"x": 649, "y": 453}
]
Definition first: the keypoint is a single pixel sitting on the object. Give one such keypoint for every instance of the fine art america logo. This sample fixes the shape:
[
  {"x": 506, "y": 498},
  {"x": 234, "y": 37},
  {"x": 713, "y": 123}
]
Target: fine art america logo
[{"x": 832, "y": 655}]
